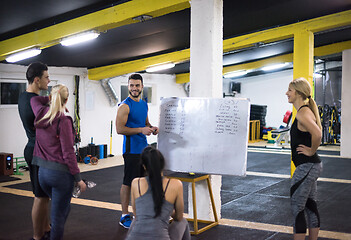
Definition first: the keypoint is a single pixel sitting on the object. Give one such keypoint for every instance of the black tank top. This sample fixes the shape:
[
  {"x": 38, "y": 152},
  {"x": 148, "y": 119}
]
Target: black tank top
[{"x": 299, "y": 137}]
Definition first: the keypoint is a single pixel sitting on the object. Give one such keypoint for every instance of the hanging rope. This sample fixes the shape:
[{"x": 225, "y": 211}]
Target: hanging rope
[{"x": 76, "y": 122}]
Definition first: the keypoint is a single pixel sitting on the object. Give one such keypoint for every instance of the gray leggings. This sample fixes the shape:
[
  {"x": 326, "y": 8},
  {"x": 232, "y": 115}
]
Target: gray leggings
[
  {"x": 177, "y": 230},
  {"x": 303, "y": 193}
]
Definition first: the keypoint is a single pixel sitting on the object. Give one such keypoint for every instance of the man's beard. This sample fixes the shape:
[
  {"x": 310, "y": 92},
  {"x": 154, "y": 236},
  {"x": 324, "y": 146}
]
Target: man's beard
[{"x": 130, "y": 92}]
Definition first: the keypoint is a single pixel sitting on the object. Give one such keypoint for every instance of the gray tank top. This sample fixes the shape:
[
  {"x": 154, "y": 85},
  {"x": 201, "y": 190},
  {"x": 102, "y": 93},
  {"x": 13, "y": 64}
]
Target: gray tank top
[{"x": 145, "y": 226}]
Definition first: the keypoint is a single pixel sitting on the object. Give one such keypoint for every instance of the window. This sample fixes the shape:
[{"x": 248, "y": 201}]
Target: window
[
  {"x": 10, "y": 91},
  {"x": 47, "y": 92},
  {"x": 147, "y": 93}
]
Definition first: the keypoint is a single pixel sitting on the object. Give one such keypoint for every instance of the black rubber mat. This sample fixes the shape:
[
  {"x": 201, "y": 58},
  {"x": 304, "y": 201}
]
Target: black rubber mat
[
  {"x": 8, "y": 178},
  {"x": 250, "y": 198}
]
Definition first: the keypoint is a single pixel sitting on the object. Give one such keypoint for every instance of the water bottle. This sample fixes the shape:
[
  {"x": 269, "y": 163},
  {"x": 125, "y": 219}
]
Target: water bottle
[{"x": 76, "y": 190}]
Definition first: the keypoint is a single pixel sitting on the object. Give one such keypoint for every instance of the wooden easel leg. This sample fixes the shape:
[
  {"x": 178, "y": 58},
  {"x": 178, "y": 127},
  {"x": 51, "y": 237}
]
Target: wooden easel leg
[
  {"x": 212, "y": 199},
  {"x": 194, "y": 208}
]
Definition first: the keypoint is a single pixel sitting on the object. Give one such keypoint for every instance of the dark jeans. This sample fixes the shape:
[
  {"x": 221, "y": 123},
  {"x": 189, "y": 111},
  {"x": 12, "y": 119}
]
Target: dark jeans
[
  {"x": 33, "y": 171},
  {"x": 59, "y": 186}
]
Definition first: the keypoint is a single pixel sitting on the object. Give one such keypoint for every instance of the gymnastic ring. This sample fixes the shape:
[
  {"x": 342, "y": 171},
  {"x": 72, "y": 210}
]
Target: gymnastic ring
[{"x": 94, "y": 161}]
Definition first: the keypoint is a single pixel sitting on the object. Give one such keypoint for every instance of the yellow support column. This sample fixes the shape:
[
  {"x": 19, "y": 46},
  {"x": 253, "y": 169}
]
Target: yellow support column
[{"x": 303, "y": 61}]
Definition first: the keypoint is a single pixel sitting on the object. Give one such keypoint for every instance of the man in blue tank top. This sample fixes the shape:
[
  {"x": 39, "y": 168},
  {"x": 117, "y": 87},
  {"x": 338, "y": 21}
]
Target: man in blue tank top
[{"x": 132, "y": 121}]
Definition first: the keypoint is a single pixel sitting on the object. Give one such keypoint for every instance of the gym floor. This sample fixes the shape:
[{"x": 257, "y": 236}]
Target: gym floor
[{"x": 253, "y": 207}]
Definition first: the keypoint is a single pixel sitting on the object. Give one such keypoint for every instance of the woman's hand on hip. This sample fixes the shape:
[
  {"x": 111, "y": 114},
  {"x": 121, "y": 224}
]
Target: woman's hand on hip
[{"x": 302, "y": 149}]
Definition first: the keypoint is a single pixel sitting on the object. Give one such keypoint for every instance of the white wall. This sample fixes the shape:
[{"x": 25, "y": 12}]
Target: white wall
[
  {"x": 267, "y": 89},
  {"x": 96, "y": 122},
  {"x": 95, "y": 114},
  {"x": 345, "y": 150},
  {"x": 12, "y": 135}
]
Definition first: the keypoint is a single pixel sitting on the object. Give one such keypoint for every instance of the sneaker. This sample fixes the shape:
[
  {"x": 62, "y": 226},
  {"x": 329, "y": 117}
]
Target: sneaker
[
  {"x": 47, "y": 235},
  {"x": 43, "y": 238},
  {"x": 125, "y": 221}
]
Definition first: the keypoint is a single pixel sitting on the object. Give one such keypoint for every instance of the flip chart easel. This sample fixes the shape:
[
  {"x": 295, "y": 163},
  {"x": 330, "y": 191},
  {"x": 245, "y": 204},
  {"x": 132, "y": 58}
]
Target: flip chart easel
[
  {"x": 204, "y": 135},
  {"x": 185, "y": 177}
]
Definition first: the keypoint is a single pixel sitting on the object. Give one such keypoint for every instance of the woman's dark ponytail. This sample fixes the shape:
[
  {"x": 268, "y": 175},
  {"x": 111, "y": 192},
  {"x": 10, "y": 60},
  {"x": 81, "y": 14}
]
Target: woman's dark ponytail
[{"x": 154, "y": 163}]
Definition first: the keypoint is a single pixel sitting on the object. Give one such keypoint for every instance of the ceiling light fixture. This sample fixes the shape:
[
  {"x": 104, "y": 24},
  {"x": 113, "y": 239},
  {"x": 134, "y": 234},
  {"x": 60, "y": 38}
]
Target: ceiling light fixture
[
  {"x": 317, "y": 75},
  {"x": 79, "y": 38},
  {"x": 142, "y": 18},
  {"x": 160, "y": 67},
  {"x": 23, "y": 55},
  {"x": 274, "y": 66},
  {"x": 235, "y": 74}
]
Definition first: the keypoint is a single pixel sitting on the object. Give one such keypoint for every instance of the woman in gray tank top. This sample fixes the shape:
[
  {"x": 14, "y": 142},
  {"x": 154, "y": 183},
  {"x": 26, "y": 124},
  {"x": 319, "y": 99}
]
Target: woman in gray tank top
[{"x": 155, "y": 199}]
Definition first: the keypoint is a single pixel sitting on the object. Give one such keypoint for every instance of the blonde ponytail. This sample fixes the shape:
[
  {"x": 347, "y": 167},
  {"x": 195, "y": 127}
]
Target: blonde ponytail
[
  {"x": 58, "y": 96},
  {"x": 303, "y": 87},
  {"x": 313, "y": 106}
]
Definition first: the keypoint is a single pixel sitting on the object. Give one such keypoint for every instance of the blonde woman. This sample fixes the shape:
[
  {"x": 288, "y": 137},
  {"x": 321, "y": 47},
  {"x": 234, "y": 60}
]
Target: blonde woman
[
  {"x": 306, "y": 136},
  {"x": 54, "y": 154}
]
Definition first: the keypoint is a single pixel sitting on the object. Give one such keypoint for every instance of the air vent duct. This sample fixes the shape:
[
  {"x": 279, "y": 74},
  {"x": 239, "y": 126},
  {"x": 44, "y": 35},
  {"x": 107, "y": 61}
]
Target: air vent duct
[{"x": 109, "y": 91}]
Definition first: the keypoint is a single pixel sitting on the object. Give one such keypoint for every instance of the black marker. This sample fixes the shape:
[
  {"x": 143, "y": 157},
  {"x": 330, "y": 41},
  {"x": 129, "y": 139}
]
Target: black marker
[{"x": 154, "y": 130}]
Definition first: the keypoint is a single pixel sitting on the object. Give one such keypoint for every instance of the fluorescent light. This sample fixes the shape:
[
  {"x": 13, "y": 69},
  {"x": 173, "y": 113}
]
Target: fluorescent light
[
  {"x": 274, "y": 66},
  {"x": 235, "y": 74},
  {"x": 160, "y": 67},
  {"x": 317, "y": 75},
  {"x": 142, "y": 18},
  {"x": 79, "y": 38},
  {"x": 23, "y": 55}
]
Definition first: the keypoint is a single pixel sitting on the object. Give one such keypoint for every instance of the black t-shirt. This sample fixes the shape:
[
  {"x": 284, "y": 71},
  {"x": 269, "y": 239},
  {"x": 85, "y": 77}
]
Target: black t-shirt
[{"x": 27, "y": 115}]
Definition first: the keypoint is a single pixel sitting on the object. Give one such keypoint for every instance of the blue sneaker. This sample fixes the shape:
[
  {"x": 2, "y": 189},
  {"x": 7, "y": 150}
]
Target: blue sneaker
[{"x": 125, "y": 221}]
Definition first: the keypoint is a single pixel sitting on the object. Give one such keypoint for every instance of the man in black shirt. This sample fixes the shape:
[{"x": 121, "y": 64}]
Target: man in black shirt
[{"x": 38, "y": 79}]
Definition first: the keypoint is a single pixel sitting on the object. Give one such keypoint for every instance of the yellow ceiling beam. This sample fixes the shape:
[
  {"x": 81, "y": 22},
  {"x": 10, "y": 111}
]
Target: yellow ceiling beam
[
  {"x": 332, "y": 48},
  {"x": 266, "y": 36},
  {"x": 138, "y": 65},
  {"x": 102, "y": 20},
  {"x": 331, "y": 21},
  {"x": 318, "y": 52},
  {"x": 259, "y": 64},
  {"x": 183, "y": 78},
  {"x": 275, "y": 34}
]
